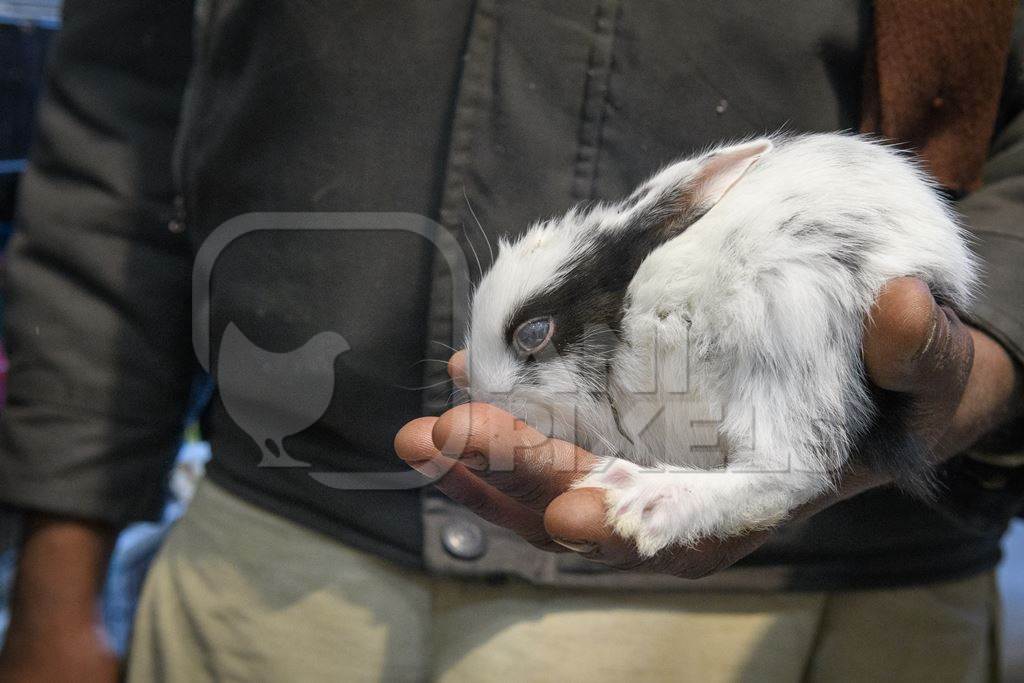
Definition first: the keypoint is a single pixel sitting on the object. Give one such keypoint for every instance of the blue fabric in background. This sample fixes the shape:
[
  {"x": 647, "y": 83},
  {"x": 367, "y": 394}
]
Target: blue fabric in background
[
  {"x": 26, "y": 29},
  {"x": 137, "y": 546}
]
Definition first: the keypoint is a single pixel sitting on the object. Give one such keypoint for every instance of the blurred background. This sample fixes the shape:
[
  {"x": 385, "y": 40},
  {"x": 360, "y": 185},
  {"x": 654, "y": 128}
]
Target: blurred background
[
  {"x": 1011, "y": 579},
  {"x": 26, "y": 29}
]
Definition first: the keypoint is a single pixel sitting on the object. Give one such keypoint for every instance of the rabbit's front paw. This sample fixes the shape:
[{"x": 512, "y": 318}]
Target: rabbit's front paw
[{"x": 653, "y": 508}]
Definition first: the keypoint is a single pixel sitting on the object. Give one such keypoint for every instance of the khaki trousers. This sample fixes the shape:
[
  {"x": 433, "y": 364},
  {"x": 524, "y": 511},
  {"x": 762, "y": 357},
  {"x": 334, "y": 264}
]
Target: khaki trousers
[{"x": 238, "y": 594}]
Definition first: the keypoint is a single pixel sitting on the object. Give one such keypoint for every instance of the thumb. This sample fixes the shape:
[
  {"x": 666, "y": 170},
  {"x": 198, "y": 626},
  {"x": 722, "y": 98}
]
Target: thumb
[{"x": 913, "y": 345}]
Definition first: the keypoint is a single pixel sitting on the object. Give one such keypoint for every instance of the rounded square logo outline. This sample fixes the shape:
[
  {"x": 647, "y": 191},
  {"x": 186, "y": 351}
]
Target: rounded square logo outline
[{"x": 226, "y": 233}]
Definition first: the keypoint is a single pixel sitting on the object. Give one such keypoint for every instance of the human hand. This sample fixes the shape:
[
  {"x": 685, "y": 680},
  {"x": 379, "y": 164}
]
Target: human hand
[{"x": 959, "y": 382}]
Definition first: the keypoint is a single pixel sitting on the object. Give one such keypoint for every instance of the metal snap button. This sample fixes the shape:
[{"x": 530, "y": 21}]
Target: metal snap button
[{"x": 463, "y": 539}]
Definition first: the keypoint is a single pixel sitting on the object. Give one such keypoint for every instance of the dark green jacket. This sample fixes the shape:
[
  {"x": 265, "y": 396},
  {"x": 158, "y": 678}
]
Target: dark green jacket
[{"x": 520, "y": 109}]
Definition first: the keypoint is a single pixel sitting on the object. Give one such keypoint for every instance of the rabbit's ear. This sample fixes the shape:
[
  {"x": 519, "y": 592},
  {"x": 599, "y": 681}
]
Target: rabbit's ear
[{"x": 721, "y": 169}]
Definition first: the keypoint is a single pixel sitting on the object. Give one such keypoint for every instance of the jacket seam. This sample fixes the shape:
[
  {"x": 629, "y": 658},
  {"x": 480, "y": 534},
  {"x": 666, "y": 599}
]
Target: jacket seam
[{"x": 593, "y": 112}]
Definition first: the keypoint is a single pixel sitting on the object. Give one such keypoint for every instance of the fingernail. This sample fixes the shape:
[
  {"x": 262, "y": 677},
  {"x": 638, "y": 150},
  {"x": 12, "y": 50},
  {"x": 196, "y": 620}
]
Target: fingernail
[
  {"x": 938, "y": 321},
  {"x": 582, "y": 547},
  {"x": 428, "y": 469},
  {"x": 474, "y": 461}
]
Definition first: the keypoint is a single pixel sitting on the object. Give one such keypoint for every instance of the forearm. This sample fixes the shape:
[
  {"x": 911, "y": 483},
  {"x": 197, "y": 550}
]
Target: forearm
[{"x": 62, "y": 565}]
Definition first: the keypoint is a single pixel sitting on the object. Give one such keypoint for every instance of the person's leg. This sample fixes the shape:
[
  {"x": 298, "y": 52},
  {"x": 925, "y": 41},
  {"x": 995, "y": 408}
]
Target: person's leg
[
  {"x": 524, "y": 633},
  {"x": 940, "y": 632},
  {"x": 240, "y": 594}
]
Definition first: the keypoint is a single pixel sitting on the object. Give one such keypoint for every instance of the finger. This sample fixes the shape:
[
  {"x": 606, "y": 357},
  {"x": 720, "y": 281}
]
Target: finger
[
  {"x": 577, "y": 520},
  {"x": 414, "y": 444},
  {"x": 913, "y": 345},
  {"x": 482, "y": 499},
  {"x": 458, "y": 369},
  {"x": 509, "y": 454}
]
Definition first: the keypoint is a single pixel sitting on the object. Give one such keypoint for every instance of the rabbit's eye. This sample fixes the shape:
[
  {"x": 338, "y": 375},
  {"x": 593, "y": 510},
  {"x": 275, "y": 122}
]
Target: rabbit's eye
[{"x": 533, "y": 336}]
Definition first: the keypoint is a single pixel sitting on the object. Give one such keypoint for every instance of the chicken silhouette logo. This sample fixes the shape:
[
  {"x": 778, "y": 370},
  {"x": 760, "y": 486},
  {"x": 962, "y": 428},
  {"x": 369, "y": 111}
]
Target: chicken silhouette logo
[{"x": 274, "y": 395}]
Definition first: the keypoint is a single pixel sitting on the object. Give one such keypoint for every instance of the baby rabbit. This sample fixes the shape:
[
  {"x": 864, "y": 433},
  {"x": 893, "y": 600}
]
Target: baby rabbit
[{"x": 704, "y": 335}]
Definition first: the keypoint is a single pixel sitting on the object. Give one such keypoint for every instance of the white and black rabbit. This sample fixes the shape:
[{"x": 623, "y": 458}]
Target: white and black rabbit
[{"x": 704, "y": 334}]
